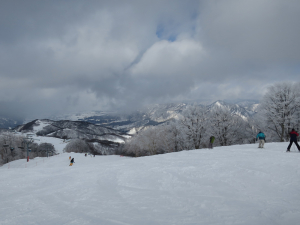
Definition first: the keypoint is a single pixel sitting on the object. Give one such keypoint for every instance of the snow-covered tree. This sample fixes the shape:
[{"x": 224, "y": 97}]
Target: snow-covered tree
[
  {"x": 150, "y": 140},
  {"x": 46, "y": 148},
  {"x": 227, "y": 128},
  {"x": 133, "y": 147},
  {"x": 193, "y": 126},
  {"x": 192, "y": 131},
  {"x": 170, "y": 137},
  {"x": 9, "y": 143},
  {"x": 77, "y": 145},
  {"x": 280, "y": 108}
]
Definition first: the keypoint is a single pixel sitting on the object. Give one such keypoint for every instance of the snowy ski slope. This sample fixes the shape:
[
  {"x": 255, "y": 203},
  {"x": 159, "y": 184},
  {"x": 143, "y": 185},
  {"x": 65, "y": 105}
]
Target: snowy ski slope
[{"x": 227, "y": 185}]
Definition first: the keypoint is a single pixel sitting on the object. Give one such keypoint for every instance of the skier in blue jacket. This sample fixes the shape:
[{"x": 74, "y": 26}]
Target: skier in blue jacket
[{"x": 262, "y": 138}]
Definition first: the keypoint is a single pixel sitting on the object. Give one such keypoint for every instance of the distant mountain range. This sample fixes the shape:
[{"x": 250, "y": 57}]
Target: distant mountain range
[
  {"x": 155, "y": 115},
  {"x": 244, "y": 109},
  {"x": 7, "y": 123},
  {"x": 65, "y": 129},
  {"x": 115, "y": 128}
]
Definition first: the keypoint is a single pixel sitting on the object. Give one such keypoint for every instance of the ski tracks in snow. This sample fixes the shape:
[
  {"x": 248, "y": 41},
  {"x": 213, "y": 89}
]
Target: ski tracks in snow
[{"x": 226, "y": 185}]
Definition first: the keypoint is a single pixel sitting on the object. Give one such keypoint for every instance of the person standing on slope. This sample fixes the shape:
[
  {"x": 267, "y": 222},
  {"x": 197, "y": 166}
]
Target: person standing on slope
[
  {"x": 71, "y": 162},
  {"x": 293, "y": 135},
  {"x": 262, "y": 138},
  {"x": 211, "y": 142}
]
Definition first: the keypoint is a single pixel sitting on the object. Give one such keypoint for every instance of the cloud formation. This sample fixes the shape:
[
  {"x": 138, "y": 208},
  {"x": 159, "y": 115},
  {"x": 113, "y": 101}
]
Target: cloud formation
[{"x": 62, "y": 56}]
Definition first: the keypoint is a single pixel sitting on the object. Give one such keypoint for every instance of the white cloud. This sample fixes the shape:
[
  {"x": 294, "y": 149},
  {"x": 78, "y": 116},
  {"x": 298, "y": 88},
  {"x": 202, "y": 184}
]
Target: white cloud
[{"x": 166, "y": 58}]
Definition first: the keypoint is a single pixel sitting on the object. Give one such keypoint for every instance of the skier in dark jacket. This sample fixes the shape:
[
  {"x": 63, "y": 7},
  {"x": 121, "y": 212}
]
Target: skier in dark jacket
[
  {"x": 262, "y": 138},
  {"x": 71, "y": 162},
  {"x": 293, "y": 135}
]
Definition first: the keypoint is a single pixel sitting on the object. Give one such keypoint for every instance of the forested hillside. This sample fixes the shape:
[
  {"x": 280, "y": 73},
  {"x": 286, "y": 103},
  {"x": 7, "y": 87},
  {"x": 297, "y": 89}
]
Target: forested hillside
[{"x": 277, "y": 114}]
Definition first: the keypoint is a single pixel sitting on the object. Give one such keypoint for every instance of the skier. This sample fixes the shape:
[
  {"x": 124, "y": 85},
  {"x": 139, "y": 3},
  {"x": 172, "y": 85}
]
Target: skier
[
  {"x": 71, "y": 162},
  {"x": 69, "y": 157},
  {"x": 293, "y": 135},
  {"x": 211, "y": 141},
  {"x": 262, "y": 138}
]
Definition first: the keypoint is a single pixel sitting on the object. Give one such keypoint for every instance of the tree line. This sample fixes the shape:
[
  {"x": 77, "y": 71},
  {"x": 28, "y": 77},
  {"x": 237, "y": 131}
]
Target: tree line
[
  {"x": 277, "y": 114},
  {"x": 93, "y": 146},
  {"x": 13, "y": 147}
]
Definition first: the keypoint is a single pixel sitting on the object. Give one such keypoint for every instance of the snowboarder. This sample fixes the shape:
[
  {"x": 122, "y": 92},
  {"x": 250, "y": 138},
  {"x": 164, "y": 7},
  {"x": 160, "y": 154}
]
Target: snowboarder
[
  {"x": 71, "y": 162},
  {"x": 211, "y": 141},
  {"x": 262, "y": 138},
  {"x": 293, "y": 138}
]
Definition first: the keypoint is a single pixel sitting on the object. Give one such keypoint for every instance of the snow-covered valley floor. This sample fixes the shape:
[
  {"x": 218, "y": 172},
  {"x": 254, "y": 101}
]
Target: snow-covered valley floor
[{"x": 227, "y": 185}]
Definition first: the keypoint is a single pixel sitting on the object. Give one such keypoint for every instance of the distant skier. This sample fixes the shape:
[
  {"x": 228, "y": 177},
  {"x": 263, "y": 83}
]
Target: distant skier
[
  {"x": 211, "y": 142},
  {"x": 70, "y": 157},
  {"x": 71, "y": 162},
  {"x": 293, "y": 138},
  {"x": 262, "y": 138}
]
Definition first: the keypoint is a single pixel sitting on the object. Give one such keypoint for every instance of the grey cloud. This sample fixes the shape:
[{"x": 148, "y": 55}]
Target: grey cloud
[
  {"x": 61, "y": 56},
  {"x": 263, "y": 31}
]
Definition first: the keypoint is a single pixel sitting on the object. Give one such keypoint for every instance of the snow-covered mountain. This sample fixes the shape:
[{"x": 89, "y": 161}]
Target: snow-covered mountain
[
  {"x": 66, "y": 129},
  {"x": 108, "y": 129},
  {"x": 149, "y": 116},
  {"x": 158, "y": 114},
  {"x": 249, "y": 105},
  {"x": 234, "y": 108}
]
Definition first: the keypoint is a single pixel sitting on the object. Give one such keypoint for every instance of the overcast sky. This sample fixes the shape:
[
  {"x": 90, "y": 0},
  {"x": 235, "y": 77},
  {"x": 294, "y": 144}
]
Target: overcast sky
[{"x": 78, "y": 55}]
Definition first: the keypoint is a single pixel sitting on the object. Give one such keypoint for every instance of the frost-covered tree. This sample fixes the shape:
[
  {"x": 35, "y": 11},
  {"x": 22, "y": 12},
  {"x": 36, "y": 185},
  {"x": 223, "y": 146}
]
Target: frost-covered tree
[
  {"x": 46, "y": 149},
  {"x": 251, "y": 128},
  {"x": 133, "y": 147},
  {"x": 34, "y": 152},
  {"x": 170, "y": 137},
  {"x": 227, "y": 128},
  {"x": 9, "y": 143},
  {"x": 97, "y": 147},
  {"x": 297, "y": 121},
  {"x": 77, "y": 145},
  {"x": 149, "y": 139},
  {"x": 192, "y": 131},
  {"x": 193, "y": 126},
  {"x": 280, "y": 108},
  {"x": 14, "y": 146}
]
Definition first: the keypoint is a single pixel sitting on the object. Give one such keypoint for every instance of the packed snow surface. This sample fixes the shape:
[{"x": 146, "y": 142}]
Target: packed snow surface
[
  {"x": 40, "y": 124},
  {"x": 227, "y": 185},
  {"x": 58, "y": 143}
]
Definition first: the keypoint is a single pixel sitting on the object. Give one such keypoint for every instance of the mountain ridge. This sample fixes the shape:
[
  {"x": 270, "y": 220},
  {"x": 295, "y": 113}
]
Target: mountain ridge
[
  {"x": 152, "y": 115},
  {"x": 66, "y": 129}
]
